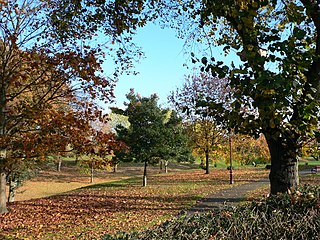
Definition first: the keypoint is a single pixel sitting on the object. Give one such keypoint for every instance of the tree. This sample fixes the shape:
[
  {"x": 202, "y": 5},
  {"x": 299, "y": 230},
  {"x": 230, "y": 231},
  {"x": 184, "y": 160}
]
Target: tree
[
  {"x": 276, "y": 83},
  {"x": 37, "y": 74},
  {"x": 120, "y": 151},
  {"x": 175, "y": 143},
  {"x": 117, "y": 20},
  {"x": 98, "y": 150},
  {"x": 203, "y": 121},
  {"x": 152, "y": 134},
  {"x": 248, "y": 150}
]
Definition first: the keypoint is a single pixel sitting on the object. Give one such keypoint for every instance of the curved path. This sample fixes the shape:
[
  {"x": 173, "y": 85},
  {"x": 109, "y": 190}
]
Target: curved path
[
  {"x": 230, "y": 197},
  {"x": 226, "y": 197}
]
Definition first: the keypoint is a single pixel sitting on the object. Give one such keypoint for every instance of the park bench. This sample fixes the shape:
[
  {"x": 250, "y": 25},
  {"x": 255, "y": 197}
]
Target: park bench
[{"x": 315, "y": 169}]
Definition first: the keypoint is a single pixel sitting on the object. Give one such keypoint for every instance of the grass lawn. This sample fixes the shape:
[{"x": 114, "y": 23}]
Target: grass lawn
[{"x": 113, "y": 205}]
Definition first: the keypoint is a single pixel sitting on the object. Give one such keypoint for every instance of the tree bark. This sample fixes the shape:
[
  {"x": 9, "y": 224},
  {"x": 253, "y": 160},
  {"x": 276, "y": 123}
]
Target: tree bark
[
  {"x": 115, "y": 167},
  {"x": 59, "y": 162},
  {"x": 284, "y": 174},
  {"x": 166, "y": 166},
  {"x": 207, "y": 161},
  {"x": 92, "y": 172},
  {"x": 3, "y": 199},
  {"x": 144, "y": 183},
  {"x": 13, "y": 185}
]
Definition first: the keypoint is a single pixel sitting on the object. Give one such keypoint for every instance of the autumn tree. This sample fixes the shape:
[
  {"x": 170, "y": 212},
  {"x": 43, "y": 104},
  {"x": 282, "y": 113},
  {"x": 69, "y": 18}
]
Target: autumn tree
[
  {"x": 119, "y": 152},
  {"x": 202, "y": 121},
  {"x": 97, "y": 147},
  {"x": 153, "y": 133},
  {"x": 312, "y": 147},
  {"x": 37, "y": 73},
  {"x": 248, "y": 150}
]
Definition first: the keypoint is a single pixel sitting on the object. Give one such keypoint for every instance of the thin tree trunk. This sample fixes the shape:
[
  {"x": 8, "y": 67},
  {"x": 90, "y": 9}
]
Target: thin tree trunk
[
  {"x": 92, "y": 171},
  {"x": 166, "y": 166},
  {"x": 3, "y": 152},
  {"x": 207, "y": 161},
  {"x": 59, "y": 162},
  {"x": 284, "y": 166},
  {"x": 144, "y": 183},
  {"x": 161, "y": 166},
  {"x": 115, "y": 167},
  {"x": 12, "y": 190},
  {"x": 77, "y": 159}
]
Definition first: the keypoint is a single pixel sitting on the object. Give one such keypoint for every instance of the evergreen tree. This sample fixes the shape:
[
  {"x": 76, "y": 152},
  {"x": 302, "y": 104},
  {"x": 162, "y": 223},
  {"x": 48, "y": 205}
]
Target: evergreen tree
[{"x": 154, "y": 134}]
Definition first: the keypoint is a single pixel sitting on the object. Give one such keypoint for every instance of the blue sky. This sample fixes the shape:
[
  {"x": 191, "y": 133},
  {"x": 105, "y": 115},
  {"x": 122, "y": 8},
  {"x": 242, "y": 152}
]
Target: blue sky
[{"x": 161, "y": 71}]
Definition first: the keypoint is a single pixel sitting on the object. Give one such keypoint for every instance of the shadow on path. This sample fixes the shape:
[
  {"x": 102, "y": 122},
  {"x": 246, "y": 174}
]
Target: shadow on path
[
  {"x": 226, "y": 197},
  {"x": 230, "y": 197}
]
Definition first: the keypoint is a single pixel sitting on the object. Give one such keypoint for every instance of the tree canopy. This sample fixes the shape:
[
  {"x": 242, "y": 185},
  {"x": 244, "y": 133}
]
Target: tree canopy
[
  {"x": 43, "y": 81},
  {"x": 275, "y": 79},
  {"x": 154, "y": 133},
  {"x": 203, "y": 122}
]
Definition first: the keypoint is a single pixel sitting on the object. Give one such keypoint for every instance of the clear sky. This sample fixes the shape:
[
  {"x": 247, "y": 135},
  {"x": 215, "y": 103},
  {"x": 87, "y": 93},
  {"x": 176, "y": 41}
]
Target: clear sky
[{"x": 161, "y": 71}]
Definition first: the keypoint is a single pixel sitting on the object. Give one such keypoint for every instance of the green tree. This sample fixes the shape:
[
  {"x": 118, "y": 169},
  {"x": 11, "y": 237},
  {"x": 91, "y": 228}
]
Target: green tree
[
  {"x": 175, "y": 141},
  {"x": 276, "y": 83},
  {"x": 153, "y": 133}
]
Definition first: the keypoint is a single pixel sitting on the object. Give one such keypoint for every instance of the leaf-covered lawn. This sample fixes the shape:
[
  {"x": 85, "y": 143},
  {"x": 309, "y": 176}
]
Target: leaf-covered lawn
[{"x": 91, "y": 212}]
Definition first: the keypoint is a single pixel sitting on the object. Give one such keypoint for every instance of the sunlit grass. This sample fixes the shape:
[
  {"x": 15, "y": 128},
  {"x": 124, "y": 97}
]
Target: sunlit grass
[{"x": 122, "y": 205}]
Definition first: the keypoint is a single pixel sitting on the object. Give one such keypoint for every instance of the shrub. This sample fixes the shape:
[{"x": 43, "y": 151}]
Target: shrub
[{"x": 294, "y": 215}]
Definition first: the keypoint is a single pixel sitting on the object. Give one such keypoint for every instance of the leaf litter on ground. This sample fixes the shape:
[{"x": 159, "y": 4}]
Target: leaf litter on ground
[{"x": 91, "y": 212}]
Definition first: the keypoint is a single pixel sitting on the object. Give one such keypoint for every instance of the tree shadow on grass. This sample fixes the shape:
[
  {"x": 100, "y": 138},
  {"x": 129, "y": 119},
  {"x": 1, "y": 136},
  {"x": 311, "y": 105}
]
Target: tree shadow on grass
[{"x": 82, "y": 204}]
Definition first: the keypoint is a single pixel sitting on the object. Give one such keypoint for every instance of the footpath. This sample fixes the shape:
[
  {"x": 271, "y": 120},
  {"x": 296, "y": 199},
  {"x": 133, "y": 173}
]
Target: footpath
[
  {"x": 227, "y": 197},
  {"x": 230, "y": 197}
]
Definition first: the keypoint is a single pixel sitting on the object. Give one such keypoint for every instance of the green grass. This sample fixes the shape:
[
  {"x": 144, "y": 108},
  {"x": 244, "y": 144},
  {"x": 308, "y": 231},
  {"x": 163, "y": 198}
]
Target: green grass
[{"x": 120, "y": 183}]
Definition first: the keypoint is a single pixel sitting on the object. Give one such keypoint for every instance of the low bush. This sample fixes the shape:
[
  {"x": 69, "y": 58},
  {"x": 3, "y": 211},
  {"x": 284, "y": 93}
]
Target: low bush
[{"x": 294, "y": 215}]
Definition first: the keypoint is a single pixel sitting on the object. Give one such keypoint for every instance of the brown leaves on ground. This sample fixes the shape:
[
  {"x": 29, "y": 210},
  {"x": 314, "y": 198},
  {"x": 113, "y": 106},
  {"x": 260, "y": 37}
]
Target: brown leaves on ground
[{"x": 108, "y": 208}]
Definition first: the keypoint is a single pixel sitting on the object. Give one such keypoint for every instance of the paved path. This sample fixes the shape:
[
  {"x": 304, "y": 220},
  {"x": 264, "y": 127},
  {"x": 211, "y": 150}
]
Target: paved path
[{"x": 229, "y": 197}]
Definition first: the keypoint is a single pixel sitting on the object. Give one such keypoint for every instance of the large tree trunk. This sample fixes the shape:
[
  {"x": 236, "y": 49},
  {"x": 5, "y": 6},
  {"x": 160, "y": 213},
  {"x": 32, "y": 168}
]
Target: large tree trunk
[
  {"x": 284, "y": 165},
  {"x": 3, "y": 199},
  {"x": 3, "y": 153},
  {"x": 144, "y": 183}
]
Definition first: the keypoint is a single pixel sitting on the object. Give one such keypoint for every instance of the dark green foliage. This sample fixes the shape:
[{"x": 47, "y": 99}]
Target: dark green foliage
[
  {"x": 153, "y": 134},
  {"x": 293, "y": 215}
]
